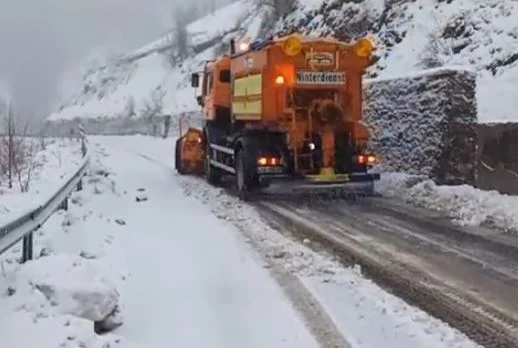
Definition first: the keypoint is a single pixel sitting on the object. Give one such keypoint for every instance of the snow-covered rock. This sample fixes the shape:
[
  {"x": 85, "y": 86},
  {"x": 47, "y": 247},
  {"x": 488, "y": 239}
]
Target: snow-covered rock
[
  {"x": 64, "y": 284},
  {"x": 425, "y": 123}
]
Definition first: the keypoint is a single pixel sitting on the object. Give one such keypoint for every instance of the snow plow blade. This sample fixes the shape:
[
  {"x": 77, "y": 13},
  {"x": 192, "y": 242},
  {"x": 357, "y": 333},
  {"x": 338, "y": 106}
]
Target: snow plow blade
[
  {"x": 189, "y": 153},
  {"x": 342, "y": 186}
]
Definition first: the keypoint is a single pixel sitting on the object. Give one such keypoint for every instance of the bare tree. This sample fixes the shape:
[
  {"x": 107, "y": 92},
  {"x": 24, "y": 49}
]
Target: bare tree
[
  {"x": 182, "y": 16},
  {"x": 438, "y": 51},
  {"x": 24, "y": 169},
  {"x": 8, "y": 146},
  {"x": 153, "y": 108},
  {"x": 42, "y": 134},
  {"x": 212, "y": 6},
  {"x": 129, "y": 108},
  {"x": 14, "y": 151}
]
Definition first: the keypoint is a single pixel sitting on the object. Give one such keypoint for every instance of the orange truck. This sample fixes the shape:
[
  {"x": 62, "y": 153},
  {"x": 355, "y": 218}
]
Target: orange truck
[{"x": 284, "y": 112}]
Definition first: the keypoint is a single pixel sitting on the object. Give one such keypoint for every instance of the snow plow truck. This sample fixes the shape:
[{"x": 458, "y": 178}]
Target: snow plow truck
[{"x": 283, "y": 113}]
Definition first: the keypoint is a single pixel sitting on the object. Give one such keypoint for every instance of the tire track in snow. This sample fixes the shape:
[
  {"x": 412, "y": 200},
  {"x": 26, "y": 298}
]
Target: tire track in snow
[
  {"x": 346, "y": 234},
  {"x": 315, "y": 317}
]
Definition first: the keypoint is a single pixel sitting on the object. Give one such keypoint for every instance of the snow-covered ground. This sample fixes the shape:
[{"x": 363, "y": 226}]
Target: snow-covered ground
[
  {"x": 187, "y": 266},
  {"x": 44, "y": 170},
  {"x": 53, "y": 294}
]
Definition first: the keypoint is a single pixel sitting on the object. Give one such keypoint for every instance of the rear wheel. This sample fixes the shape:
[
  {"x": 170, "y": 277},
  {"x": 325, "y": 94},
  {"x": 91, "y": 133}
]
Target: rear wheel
[{"x": 246, "y": 182}]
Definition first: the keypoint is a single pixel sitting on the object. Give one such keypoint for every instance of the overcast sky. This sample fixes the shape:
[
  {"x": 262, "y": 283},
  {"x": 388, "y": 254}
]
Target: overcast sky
[{"x": 41, "y": 38}]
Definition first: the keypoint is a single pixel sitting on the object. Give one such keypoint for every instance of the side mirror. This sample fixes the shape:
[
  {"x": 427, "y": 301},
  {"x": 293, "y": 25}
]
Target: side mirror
[
  {"x": 195, "y": 80},
  {"x": 224, "y": 76},
  {"x": 199, "y": 99}
]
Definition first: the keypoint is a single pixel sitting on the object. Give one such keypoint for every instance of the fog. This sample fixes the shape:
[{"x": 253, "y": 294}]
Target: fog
[{"x": 39, "y": 39}]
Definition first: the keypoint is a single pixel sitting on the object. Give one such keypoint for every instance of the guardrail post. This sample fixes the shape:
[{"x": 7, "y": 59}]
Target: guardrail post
[
  {"x": 64, "y": 205},
  {"x": 27, "y": 252},
  {"x": 80, "y": 185},
  {"x": 82, "y": 135}
]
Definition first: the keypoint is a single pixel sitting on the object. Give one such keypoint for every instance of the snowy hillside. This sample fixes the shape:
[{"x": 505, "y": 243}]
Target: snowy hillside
[
  {"x": 148, "y": 79},
  {"x": 411, "y": 35}
]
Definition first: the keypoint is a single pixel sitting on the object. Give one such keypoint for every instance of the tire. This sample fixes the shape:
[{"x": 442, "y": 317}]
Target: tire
[
  {"x": 212, "y": 174},
  {"x": 243, "y": 177},
  {"x": 178, "y": 157}
]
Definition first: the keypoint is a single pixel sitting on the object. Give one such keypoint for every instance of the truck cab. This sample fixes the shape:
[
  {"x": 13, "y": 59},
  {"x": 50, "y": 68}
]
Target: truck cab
[{"x": 215, "y": 88}]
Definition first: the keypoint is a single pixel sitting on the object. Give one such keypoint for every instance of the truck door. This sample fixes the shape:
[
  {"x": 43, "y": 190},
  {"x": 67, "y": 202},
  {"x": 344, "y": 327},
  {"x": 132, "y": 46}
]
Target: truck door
[{"x": 208, "y": 87}]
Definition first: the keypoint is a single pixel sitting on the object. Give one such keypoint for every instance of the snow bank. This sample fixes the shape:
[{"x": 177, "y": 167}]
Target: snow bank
[
  {"x": 70, "y": 284},
  {"x": 44, "y": 172},
  {"x": 64, "y": 288},
  {"x": 68, "y": 293},
  {"x": 464, "y": 204},
  {"x": 24, "y": 329},
  {"x": 425, "y": 124}
]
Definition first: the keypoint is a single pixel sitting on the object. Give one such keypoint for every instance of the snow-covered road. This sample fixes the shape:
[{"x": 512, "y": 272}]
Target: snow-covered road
[
  {"x": 189, "y": 266},
  {"x": 192, "y": 280}
]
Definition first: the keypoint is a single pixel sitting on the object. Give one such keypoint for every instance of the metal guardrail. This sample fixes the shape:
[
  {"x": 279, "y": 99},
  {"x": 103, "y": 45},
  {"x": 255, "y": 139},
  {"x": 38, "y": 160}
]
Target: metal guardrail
[{"x": 24, "y": 226}]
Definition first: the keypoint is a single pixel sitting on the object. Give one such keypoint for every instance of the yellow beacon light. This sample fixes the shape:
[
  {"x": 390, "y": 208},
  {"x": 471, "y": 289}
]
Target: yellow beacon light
[
  {"x": 363, "y": 48},
  {"x": 292, "y": 46}
]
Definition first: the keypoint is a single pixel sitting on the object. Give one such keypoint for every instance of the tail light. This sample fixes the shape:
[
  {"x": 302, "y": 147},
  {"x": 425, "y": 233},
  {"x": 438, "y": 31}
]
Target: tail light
[
  {"x": 368, "y": 159},
  {"x": 269, "y": 161}
]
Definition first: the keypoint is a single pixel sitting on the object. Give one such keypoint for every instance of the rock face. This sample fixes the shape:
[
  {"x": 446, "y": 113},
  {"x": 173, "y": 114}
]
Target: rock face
[{"x": 425, "y": 124}]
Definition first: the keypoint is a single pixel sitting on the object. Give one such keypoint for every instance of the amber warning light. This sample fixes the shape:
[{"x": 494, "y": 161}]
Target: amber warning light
[{"x": 279, "y": 80}]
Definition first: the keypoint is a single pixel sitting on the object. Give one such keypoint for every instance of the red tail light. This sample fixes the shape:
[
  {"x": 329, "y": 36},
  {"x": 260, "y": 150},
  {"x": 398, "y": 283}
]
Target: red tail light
[
  {"x": 366, "y": 159},
  {"x": 269, "y": 161}
]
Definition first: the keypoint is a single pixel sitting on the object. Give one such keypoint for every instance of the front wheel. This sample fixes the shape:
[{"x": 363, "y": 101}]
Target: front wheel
[
  {"x": 212, "y": 175},
  {"x": 178, "y": 157}
]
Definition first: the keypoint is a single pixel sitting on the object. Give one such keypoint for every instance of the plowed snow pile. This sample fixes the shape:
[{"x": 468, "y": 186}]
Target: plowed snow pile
[{"x": 465, "y": 204}]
